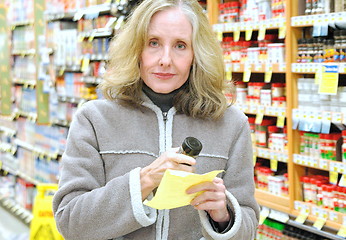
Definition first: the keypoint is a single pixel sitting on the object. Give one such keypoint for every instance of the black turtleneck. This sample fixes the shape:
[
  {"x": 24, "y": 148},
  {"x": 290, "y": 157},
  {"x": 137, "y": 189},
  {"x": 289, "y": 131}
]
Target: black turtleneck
[{"x": 163, "y": 100}]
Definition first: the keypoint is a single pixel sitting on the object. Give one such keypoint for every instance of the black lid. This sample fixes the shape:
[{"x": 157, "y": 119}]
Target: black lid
[{"x": 192, "y": 146}]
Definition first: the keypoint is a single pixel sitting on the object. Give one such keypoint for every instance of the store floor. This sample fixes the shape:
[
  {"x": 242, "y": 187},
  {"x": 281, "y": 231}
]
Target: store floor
[{"x": 11, "y": 228}]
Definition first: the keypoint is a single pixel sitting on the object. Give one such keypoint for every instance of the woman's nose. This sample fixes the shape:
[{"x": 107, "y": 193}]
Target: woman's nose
[{"x": 166, "y": 58}]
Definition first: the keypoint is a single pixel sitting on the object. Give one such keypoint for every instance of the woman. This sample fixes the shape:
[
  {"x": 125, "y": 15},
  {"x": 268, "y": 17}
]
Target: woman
[{"x": 164, "y": 82}]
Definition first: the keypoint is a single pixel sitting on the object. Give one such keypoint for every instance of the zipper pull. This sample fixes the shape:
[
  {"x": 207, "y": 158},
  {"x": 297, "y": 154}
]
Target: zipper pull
[{"x": 164, "y": 114}]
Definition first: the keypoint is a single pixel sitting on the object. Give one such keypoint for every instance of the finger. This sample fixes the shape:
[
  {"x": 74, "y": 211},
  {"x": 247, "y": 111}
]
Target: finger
[
  {"x": 208, "y": 196},
  {"x": 182, "y": 159},
  {"x": 210, "y": 205},
  {"x": 206, "y": 186}
]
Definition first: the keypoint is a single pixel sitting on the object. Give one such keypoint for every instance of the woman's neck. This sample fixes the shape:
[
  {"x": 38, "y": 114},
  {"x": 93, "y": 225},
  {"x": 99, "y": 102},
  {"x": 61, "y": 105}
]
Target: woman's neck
[{"x": 163, "y": 100}]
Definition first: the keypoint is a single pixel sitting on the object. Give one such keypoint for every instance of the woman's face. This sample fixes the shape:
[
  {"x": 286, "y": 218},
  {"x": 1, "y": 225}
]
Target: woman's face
[{"x": 167, "y": 55}]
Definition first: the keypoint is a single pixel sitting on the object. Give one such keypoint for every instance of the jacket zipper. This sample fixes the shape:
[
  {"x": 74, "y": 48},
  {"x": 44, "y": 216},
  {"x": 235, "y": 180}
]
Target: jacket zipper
[{"x": 164, "y": 114}]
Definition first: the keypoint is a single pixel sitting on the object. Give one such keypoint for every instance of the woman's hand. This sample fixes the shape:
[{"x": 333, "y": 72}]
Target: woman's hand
[
  {"x": 152, "y": 174},
  {"x": 212, "y": 200}
]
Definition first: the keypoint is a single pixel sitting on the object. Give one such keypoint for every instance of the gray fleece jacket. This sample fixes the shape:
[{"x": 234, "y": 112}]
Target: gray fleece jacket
[{"x": 99, "y": 194}]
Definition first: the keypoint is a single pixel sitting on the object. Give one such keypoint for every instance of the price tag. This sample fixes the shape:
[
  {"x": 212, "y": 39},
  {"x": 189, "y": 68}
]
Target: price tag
[
  {"x": 263, "y": 215},
  {"x": 301, "y": 218},
  {"x": 248, "y": 34},
  {"x": 259, "y": 118},
  {"x": 85, "y": 64},
  {"x": 236, "y": 35},
  {"x": 247, "y": 73},
  {"x": 61, "y": 71},
  {"x": 0, "y": 164},
  {"x": 268, "y": 74},
  {"x": 261, "y": 33},
  {"x": 333, "y": 177},
  {"x": 273, "y": 165},
  {"x": 220, "y": 36},
  {"x": 319, "y": 223},
  {"x": 280, "y": 121},
  {"x": 318, "y": 75},
  {"x": 282, "y": 32},
  {"x": 342, "y": 231},
  {"x": 254, "y": 158}
]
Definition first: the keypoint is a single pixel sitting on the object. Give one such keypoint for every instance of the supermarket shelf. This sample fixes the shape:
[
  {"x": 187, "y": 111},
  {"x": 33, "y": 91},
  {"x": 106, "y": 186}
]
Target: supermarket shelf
[
  {"x": 25, "y": 82},
  {"x": 21, "y": 23},
  {"x": 40, "y": 152},
  {"x": 272, "y": 201},
  {"x": 59, "y": 16},
  {"x": 312, "y": 68},
  {"x": 13, "y": 207},
  {"x": 314, "y": 230},
  {"x": 28, "y": 52},
  {"x": 257, "y": 68},
  {"x": 20, "y": 174},
  {"x": 100, "y": 32},
  {"x": 311, "y": 20},
  {"x": 331, "y": 224},
  {"x": 8, "y": 131},
  {"x": 243, "y": 26},
  {"x": 281, "y": 156},
  {"x": 321, "y": 164},
  {"x": 71, "y": 99},
  {"x": 265, "y": 110}
]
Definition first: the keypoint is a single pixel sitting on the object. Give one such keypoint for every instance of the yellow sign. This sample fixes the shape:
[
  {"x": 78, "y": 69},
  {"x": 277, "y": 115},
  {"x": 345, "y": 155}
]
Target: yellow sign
[
  {"x": 43, "y": 225},
  {"x": 171, "y": 192},
  {"x": 329, "y": 80}
]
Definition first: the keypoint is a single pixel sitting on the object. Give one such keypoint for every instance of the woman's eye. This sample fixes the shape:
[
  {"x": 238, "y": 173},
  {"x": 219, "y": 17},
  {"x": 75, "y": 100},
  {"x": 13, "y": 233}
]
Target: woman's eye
[
  {"x": 153, "y": 43},
  {"x": 181, "y": 46}
]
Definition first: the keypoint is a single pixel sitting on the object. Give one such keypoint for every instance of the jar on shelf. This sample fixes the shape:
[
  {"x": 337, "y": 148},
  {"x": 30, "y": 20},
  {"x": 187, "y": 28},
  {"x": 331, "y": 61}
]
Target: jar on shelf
[
  {"x": 278, "y": 89},
  {"x": 252, "y": 129},
  {"x": 279, "y": 101},
  {"x": 262, "y": 132}
]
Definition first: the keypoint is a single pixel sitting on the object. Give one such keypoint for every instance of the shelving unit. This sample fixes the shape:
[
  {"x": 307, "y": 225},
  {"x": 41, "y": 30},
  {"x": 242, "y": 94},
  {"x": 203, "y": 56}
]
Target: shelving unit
[
  {"x": 298, "y": 165},
  {"x": 54, "y": 57}
]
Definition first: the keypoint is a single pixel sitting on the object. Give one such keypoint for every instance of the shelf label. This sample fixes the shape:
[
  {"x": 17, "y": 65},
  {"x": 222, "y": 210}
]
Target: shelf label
[
  {"x": 248, "y": 33},
  {"x": 261, "y": 33},
  {"x": 342, "y": 231},
  {"x": 268, "y": 74},
  {"x": 236, "y": 35},
  {"x": 263, "y": 215},
  {"x": 282, "y": 32},
  {"x": 247, "y": 73},
  {"x": 319, "y": 223},
  {"x": 333, "y": 177},
  {"x": 302, "y": 217},
  {"x": 273, "y": 165}
]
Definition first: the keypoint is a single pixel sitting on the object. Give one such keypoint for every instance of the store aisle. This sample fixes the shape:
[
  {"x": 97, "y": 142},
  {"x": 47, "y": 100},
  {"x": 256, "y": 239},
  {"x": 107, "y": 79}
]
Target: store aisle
[{"x": 11, "y": 228}]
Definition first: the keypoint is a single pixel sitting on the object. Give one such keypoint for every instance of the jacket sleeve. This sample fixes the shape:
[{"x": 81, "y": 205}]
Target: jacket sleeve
[
  {"x": 239, "y": 181},
  {"x": 85, "y": 205}
]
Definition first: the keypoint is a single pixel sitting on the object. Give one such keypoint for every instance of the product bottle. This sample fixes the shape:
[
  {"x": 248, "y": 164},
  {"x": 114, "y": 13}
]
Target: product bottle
[{"x": 191, "y": 147}]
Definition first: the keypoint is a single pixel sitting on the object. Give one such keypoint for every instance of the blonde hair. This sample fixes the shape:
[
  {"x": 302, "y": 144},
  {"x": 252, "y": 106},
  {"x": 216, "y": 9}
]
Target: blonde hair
[{"x": 203, "y": 96}]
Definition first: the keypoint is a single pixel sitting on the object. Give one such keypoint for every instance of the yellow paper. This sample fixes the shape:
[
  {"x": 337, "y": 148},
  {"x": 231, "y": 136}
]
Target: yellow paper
[{"x": 171, "y": 192}]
